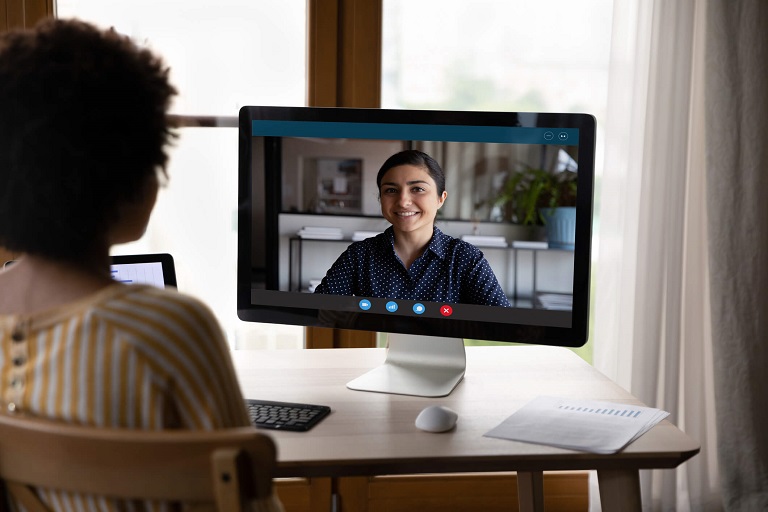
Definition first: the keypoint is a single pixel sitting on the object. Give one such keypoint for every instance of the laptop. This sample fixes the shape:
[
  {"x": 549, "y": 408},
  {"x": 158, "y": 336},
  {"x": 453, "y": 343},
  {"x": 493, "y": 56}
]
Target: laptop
[{"x": 151, "y": 269}]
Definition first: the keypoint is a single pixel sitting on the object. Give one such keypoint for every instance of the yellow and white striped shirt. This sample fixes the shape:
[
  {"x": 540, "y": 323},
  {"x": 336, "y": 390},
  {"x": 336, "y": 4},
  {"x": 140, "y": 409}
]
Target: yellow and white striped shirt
[{"x": 127, "y": 356}]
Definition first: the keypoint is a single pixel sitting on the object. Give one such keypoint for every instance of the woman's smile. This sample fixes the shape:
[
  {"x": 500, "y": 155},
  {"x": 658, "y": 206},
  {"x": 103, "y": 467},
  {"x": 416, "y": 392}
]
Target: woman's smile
[{"x": 409, "y": 199}]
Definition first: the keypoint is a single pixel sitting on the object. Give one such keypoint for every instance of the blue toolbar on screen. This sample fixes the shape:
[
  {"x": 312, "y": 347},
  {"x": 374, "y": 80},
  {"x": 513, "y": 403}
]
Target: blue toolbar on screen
[{"x": 395, "y": 131}]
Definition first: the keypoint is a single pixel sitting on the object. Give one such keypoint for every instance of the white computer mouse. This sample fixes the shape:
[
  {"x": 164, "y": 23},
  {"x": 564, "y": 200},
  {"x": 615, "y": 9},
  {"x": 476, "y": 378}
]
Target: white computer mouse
[{"x": 436, "y": 418}]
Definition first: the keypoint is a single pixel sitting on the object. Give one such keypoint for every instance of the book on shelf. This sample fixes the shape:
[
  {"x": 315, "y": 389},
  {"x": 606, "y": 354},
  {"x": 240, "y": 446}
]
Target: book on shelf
[
  {"x": 320, "y": 233},
  {"x": 529, "y": 244},
  {"x": 486, "y": 240}
]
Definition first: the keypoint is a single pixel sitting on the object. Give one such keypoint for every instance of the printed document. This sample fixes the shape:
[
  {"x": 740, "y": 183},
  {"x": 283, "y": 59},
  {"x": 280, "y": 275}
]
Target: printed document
[{"x": 586, "y": 425}]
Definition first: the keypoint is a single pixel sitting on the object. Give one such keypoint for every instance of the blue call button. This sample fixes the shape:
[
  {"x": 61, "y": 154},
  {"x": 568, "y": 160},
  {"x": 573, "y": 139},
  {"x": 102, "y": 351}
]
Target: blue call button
[
  {"x": 419, "y": 308},
  {"x": 391, "y": 306},
  {"x": 365, "y": 304}
]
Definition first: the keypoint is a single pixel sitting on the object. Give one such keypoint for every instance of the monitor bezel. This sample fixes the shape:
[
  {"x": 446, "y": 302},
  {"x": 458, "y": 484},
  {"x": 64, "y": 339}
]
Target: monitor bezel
[{"x": 574, "y": 336}]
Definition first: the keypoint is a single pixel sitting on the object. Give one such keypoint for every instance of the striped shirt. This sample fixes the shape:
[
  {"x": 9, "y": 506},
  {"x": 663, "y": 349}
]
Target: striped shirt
[{"x": 127, "y": 356}]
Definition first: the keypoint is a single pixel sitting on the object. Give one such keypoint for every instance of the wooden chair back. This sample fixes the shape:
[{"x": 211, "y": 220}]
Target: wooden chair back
[{"x": 205, "y": 470}]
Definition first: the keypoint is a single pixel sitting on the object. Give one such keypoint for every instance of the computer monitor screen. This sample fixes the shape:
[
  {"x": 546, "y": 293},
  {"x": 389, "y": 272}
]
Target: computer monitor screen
[{"x": 316, "y": 248}]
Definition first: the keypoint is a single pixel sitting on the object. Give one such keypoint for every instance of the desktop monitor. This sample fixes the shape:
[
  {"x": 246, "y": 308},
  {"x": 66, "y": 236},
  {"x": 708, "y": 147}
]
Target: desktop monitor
[{"x": 308, "y": 190}]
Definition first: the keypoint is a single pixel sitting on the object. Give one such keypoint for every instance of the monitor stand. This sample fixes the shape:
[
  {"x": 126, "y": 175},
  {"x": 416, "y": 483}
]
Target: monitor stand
[{"x": 416, "y": 365}]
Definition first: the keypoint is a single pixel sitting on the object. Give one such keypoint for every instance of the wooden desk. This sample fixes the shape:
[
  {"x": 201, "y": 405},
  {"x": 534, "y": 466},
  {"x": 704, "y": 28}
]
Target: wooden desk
[{"x": 374, "y": 434}]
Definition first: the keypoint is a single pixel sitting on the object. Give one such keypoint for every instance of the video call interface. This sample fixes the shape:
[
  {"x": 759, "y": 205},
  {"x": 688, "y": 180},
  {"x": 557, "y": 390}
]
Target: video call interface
[{"x": 317, "y": 182}]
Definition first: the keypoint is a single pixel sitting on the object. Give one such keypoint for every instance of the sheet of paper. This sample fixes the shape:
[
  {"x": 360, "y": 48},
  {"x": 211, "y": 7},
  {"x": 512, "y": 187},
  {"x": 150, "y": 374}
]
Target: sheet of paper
[{"x": 586, "y": 425}]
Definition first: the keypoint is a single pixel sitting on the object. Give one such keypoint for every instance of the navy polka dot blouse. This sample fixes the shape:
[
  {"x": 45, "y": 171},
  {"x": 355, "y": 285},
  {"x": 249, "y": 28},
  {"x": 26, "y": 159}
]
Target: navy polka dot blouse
[{"x": 450, "y": 270}]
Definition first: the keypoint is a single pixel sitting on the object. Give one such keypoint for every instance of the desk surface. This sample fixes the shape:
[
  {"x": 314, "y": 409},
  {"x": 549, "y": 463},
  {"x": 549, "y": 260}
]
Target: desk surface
[{"x": 374, "y": 433}]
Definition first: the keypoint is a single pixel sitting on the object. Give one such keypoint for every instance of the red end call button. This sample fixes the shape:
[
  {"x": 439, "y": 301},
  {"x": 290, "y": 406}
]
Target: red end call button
[{"x": 446, "y": 310}]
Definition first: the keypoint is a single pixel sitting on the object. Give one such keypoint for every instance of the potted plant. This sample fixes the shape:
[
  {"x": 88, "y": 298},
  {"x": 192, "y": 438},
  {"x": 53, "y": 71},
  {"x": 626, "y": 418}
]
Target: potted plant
[{"x": 533, "y": 196}]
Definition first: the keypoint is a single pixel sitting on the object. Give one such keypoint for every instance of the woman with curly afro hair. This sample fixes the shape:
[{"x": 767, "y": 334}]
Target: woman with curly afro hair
[{"x": 83, "y": 137}]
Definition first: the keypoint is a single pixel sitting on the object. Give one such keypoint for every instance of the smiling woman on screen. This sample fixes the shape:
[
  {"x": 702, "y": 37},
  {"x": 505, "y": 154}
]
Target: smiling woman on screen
[{"x": 413, "y": 259}]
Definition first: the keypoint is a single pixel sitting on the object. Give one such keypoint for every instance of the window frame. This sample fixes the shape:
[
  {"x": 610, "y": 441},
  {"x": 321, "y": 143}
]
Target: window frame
[{"x": 344, "y": 70}]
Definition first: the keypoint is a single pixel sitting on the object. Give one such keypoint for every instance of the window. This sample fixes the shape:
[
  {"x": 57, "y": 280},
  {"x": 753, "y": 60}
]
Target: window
[
  {"x": 497, "y": 55},
  {"x": 222, "y": 55}
]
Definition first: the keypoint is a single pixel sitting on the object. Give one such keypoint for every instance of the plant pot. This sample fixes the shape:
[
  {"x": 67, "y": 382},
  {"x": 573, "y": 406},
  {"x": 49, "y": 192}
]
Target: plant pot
[{"x": 561, "y": 226}]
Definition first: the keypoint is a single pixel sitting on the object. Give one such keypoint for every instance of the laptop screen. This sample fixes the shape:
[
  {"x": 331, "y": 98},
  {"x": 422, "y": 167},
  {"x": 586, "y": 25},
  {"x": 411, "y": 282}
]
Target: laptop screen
[{"x": 151, "y": 269}]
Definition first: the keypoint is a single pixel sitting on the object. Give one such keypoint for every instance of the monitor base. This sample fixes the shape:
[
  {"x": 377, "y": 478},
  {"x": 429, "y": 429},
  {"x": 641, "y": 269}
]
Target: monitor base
[{"x": 416, "y": 365}]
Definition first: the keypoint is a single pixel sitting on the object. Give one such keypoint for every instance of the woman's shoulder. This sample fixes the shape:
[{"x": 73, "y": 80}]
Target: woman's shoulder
[
  {"x": 162, "y": 298},
  {"x": 141, "y": 303},
  {"x": 169, "y": 294},
  {"x": 371, "y": 244},
  {"x": 127, "y": 305},
  {"x": 158, "y": 314}
]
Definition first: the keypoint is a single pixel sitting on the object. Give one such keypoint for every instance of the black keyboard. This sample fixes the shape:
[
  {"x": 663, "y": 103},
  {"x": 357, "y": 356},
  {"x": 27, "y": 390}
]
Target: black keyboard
[{"x": 285, "y": 415}]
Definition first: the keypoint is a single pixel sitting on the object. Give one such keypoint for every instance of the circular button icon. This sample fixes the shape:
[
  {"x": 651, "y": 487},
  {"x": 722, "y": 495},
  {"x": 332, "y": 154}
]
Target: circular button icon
[
  {"x": 365, "y": 304},
  {"x": 446, "y": 310},
  {"x": 562, "y": 136},
  {"x": 549, "y": 135},
  {"x": 391, "y": 306},
  {"x": 419, "y": 308}
]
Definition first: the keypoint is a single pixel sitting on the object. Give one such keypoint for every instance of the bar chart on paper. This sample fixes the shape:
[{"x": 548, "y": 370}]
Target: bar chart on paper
[
  {"x": 586, "y": 425},
  {"x": 610, "y": 410}
]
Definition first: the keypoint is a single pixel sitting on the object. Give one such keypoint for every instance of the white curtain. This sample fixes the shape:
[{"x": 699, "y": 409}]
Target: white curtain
[
  {"x": 652, "y": 314},
  {"x": 478, "y": 171},
  {"x": 737, "y": 166}
]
